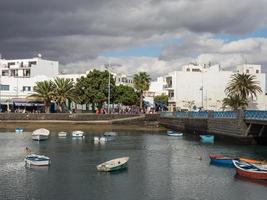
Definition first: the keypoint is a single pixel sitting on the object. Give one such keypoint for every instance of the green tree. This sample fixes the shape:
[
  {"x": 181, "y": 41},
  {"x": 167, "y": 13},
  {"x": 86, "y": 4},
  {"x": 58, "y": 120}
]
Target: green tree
[
  {"x": 161, "y": 99},
  {"x": 125, "y": 95},
  {"x": 94, "y": 87},
  {"x": 243, "y": 86},
  {"x": 45, "y": 91},
  {"x": 235, "y": 102},
  {"x": 141, "y": 84},
  {"x": 63, "y": 90}
]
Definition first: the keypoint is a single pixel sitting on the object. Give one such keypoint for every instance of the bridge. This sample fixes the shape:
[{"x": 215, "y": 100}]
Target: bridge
[{"x": 242, "y": 124}]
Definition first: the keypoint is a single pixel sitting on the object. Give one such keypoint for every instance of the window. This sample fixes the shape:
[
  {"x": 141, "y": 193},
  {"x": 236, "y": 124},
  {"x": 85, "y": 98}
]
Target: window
[
  {"x": 4, "y": 87},
  {"x": 5, "y": 73},
  {"x": 10, "y": 63},
  {"x": 27, "y": 72},
  {"x": 247, "y": 71},
  {"x": 257, "y": 71},
  {"x": 14, "y": 72},
  {"x": 32, "y": 63},
  {"x": 26, "y": 88},
  {"x": 188, "y": 69},
  {"x": 195, "y": 70}
]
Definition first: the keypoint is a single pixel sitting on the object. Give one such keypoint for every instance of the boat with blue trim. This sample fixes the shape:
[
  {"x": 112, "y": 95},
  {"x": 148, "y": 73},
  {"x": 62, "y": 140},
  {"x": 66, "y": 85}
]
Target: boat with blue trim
[
  {"x": 37, "y": 160},
  {"x": 221, "y": 160},
  {"x": 207, "y": 138},
  {"x": 174, "y": 133},
  {"x": 113, "y": 165},
  {"x": 253, "y": 171}
]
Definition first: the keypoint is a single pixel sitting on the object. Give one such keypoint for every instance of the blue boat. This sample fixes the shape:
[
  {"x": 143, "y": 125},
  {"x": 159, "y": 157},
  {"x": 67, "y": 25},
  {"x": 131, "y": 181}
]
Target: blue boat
[
  {"x": 221, "y": 160},
  {"x": 173, "y": 133},
  {"x": 207, "y": 138},
  {"x": 19, "y": 130}
]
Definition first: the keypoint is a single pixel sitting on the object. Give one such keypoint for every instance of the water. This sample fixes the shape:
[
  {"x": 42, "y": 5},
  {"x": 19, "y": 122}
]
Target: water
[{"x": 160, "y": 167}]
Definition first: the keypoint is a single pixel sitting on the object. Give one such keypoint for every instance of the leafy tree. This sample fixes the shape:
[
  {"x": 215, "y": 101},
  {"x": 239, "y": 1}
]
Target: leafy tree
[
  {"x": 94, "y": 87},
  {"x": 63, "y": 91},
  {"x": 141, "y": 84},
  {"x": 235, "y": 102},
  {"x": 125, "y": 95},
  {"x": 163, "y": 99},
  {"x": 45, "y": 91},
  {"x": 242, "y": 86}
]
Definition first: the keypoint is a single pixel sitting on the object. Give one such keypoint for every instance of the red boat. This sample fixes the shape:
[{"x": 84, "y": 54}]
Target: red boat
[{"x": 250, "y": 170}]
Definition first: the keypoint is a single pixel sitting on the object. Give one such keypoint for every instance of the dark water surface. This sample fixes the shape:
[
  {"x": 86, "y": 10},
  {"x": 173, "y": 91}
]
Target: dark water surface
[{"x": 160, "y": 167}]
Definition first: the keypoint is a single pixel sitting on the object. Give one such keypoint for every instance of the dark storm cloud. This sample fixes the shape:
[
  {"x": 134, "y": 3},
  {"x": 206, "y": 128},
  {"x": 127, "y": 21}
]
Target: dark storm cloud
[{"x": 70, "y": 31}]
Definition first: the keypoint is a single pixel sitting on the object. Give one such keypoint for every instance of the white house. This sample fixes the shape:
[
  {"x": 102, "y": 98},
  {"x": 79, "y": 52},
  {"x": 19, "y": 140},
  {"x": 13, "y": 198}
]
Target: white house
[
  {"x": 197, "y": 86},
  {"x": 19, "y": 76}
]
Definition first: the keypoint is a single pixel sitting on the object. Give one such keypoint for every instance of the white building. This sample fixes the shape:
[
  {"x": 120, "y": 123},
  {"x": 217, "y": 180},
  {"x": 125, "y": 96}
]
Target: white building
[
  {"x": 19, "y": 76},
  {"x": 197, "y": 86}
]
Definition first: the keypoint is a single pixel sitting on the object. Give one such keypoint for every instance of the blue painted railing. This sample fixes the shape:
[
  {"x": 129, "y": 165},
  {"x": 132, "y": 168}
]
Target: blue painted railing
[
  {"x": 202, "y": 114},
  {"x": 255, "y": 114},
  {"x": 225, "y": 114}
]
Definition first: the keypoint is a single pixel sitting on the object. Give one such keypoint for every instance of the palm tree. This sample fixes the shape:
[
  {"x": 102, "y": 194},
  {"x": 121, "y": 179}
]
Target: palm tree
[
  {"x": 243, "y": 85},
  {"x": 63, "y": 91},
  {"x": 44, "y": 91},
  {"x": 235, "y": 102},
  {"x": 141, "y": 84}
]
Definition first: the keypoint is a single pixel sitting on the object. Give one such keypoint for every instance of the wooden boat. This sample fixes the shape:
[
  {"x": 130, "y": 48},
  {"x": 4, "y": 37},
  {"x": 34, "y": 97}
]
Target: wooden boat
[
  {"x": 77, "y": 134},
  {"x": 62, "y": 134},
  {"x": 250, "y": 170},
  {"x": 19, "y": 130},
  {"x": 113, "y": 165},
  {"x": 221, "y": 160},
  {"x": 40, "y": 134},
  {"x": 248, "y": 160},
  {"x": 38, "y": 160},
  {"x": 173, "y": 133},
  {"x": 207, "y": 138}
]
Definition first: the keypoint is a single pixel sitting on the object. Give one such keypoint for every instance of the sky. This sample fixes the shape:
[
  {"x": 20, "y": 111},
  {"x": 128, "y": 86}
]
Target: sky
[{"x": 155, "y": 36}]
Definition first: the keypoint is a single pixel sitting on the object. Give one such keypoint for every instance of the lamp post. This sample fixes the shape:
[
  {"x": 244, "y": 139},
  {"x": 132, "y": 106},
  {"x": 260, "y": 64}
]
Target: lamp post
[{"x": 107, "y": 67}]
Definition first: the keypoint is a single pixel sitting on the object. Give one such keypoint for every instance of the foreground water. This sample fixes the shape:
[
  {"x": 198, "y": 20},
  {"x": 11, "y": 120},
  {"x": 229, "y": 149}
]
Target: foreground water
[{"x": 160, "y": 167}]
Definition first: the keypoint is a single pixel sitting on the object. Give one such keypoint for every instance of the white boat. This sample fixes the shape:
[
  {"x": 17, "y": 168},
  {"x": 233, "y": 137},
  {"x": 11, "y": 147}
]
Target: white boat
[
  {"x": 173, "y": 133},
  {"x": 112, "y": 165},
  {"x": 77, "y": 134},
  {"x": 38, "y": 160},
  {"x": 19, "y": 130},
  {"x": 40, "y": 134},
  {"x": 62, "y": 134}
]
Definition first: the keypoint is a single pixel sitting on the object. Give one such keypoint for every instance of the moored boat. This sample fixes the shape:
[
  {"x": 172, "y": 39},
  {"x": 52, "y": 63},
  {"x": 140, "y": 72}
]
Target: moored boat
[
  {"x": 37, "y": 160},
  {"x": 221, "y": 160},
  {"x": 173, "y": 133},
  {"x": 248, "y": 160},
  {"x": 113, "y": 165},
  {"x": 207, "y": 138},
  {"x": 77, "y": 134},
  {"x": 19, "y": 130},
  {"x": 62, "y": 134},
  {"x": 250, "y": 170},
  {"x": 40, "y": 134}
]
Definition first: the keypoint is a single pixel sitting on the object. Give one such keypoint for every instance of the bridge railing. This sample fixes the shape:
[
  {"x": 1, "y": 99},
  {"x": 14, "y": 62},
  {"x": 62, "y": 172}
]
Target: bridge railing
[
  {"x": 255, "y": 115},
  {"x": 247, "y": 114},
  {"x": 225, "y": 114}
]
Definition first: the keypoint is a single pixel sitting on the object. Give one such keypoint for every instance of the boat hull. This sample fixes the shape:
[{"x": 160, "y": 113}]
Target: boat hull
[
  {"x": 221, "y": 161},
  {"x": 207, "y": 138},
  {"x": 37, "y": 160},
  {"x": 250, "y": 171},
  {"x": 39, "y": 137},
  {"x": 113, "y": 165}
]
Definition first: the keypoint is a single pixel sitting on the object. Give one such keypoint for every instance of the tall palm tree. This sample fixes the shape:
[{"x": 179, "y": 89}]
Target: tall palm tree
[
  {"x": 63, "y": 91},
  {"x": 141, "y": 84},
  {"x": 44, "y": 91},
  {"x": 243, "y": 85}
]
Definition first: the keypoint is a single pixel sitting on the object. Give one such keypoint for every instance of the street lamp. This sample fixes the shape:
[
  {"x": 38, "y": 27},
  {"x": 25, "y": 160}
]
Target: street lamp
[{"x": 107, "y": 67}]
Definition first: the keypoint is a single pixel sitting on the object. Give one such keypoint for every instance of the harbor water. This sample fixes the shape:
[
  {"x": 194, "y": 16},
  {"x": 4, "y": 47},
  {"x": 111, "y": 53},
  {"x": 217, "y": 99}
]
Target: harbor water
[{"x": 160, "y": 167}]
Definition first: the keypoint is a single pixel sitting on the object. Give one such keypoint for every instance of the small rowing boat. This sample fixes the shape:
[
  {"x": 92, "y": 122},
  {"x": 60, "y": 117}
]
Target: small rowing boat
[
  {"x": 37, "y": 160},
  {"x": 221, "y": 160},
  {"x": 40, "y": 134},
  {"x": 207, "y": 138},
  {"x": 174, "y": 133},
  {"x": 113, "y": 165},
  {"x": 77, "y": 134}
]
